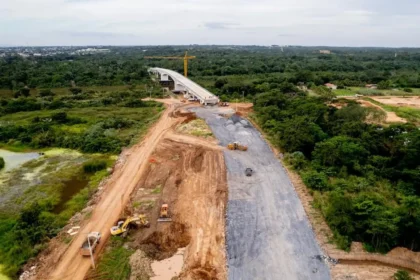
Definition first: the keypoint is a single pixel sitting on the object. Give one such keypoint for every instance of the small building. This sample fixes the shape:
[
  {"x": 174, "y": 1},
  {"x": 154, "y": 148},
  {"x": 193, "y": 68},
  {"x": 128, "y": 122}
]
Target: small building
[
  {"x": 371, "y": 86},
  {"x": 325, "y": 51},
  {"x": 330, "y": 86}
]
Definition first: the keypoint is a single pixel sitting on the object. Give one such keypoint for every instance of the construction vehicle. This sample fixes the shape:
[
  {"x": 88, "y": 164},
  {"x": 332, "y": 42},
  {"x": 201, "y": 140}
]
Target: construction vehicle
[
  {"x": 164, "y": 214},
  {"x": 122, "y": 227},
  {"x": 237, "y": 146},
  {"x": 92, "y": 240},
  {"x": 248, "y": 172},
  {"x": 185, "y": 58}
]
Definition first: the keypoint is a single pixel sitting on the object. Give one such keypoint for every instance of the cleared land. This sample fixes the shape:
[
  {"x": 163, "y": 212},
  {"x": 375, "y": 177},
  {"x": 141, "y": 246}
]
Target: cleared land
[
  {"x": 268, "y": 234},
  {"x": 398, "y": 101},
  {"x": 191, "y": 178}
]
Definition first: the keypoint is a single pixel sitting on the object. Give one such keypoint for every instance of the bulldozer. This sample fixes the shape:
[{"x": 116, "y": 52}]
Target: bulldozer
[
  {"x": 164, "y": 214},
  {"x": 237, "y": 146},
  {"x": 122, "y": 227}
]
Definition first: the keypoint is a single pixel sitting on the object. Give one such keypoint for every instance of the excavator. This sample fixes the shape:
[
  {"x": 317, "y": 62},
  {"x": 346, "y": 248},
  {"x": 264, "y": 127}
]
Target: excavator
[
  {"x": 237, "y": 146},
  {"x": 123, "y": 226}
]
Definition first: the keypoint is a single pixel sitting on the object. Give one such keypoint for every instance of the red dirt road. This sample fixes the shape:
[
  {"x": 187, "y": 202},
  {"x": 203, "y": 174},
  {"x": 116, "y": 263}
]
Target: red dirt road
[{"x": 71, "y": 265}]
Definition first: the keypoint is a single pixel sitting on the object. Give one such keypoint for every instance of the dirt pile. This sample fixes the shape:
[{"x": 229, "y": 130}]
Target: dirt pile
[{"x": 191, "y": 178}]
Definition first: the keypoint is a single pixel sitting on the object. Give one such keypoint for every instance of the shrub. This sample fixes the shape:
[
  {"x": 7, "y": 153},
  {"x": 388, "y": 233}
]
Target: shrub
[
  {"x": 402, "y": 275},
  {"x": 1, "y": 163},
  {"x": 93, "y": 166},
  {"x": 297, "y": 160},
  {"x": 408, "y": 90},
  {"x": 315, "y": 180}
]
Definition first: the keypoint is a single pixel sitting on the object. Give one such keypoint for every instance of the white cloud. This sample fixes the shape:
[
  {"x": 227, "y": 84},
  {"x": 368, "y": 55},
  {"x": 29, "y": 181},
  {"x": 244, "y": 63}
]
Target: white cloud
[{"x": 119, "y": 22}]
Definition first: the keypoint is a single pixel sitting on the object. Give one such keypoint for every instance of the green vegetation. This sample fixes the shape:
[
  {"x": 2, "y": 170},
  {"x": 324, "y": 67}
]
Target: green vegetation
[
  {"x": 115, "y": 262},
  {"x": 39, "y": 198},
  {"x": 93, "y": 166},
  {"x": 35, "y": 211},
  {"x": 402, "y": 275},
  {"x": 365, "y": 178},
  {"x": 91, "y": 122},
  {"x": 2, "y": 163}
]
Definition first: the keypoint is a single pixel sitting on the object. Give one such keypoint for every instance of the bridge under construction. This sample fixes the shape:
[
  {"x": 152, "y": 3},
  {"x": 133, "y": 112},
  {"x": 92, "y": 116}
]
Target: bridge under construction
[{"x": 179, "y": 83}]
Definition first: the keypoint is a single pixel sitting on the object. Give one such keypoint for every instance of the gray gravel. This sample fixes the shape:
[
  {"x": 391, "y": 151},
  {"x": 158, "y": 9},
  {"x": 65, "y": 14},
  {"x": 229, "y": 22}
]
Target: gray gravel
[{"x": 268, "y": 234}]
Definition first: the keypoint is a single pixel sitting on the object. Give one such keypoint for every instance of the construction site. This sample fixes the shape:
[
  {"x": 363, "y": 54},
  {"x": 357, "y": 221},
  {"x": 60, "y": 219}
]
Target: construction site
[{"x": 203, "y": 202}]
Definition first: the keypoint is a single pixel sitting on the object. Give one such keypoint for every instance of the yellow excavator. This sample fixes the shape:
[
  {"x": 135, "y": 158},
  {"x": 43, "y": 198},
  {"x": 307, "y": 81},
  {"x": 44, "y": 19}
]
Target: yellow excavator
[
  {"x": 123, "y": 226},
  {"x": 237, "y": 146}
]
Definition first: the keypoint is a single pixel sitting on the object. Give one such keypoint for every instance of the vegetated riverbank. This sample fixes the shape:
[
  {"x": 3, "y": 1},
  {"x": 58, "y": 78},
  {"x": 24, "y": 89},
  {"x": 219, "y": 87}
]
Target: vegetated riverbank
[{"x": 38, "y": 198}]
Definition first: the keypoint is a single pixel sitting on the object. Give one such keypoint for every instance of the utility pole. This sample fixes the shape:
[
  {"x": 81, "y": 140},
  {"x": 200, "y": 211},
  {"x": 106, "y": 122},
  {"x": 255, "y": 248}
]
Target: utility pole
[
  {"x": 243, "y": 97},
  {"x": 91, "y": 253}
]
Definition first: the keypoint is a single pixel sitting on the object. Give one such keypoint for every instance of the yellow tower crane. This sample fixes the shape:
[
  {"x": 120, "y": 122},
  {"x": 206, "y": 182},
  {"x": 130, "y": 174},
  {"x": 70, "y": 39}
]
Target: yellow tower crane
[{"x": 185, "y": 58}]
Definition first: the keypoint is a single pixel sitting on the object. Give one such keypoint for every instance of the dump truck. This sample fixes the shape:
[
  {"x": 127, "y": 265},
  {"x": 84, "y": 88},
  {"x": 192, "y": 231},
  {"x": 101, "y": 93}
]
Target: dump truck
[
  {"x": 91, "y": 242},
  {"x": 237, "y": 146},
  {"x": 164, "y": 214},
  {"x": 122, "y": 226}
]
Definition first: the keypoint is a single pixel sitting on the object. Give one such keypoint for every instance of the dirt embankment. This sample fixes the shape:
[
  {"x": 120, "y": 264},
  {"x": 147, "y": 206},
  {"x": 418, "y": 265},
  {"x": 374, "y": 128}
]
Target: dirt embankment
[{"x": 191, "y": 178}]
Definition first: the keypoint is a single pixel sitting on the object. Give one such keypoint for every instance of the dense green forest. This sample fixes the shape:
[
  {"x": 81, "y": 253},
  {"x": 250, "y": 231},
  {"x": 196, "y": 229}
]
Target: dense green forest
[
  {"x": 126, "y": 65},
  {"x": 365, "y": 177}
]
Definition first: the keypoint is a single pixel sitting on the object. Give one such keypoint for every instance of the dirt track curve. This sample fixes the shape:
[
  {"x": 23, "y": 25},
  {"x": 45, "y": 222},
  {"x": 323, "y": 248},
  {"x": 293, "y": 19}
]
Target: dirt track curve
[{"x": 117, "y": 193}]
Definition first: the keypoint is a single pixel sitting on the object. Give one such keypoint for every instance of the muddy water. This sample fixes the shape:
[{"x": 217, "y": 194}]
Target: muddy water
[
  {"x": 71, "y": 187},
  {"x": 168, "y": 268},
  {"x": 13, "y": 159}
]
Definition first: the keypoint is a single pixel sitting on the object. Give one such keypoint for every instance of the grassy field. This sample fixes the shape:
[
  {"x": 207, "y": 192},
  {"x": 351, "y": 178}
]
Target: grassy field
[
  {"x": 350, "y": 91},
  {"x": 396, "y": 92}
]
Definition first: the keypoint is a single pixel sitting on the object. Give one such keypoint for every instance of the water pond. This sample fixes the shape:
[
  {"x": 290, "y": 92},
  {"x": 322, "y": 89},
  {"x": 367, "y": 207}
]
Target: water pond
[{"x": 14, "y": 160}]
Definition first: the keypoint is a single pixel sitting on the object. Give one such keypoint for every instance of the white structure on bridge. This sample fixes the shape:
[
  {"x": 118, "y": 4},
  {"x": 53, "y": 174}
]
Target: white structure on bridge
[{"x": 192, "y": 91}]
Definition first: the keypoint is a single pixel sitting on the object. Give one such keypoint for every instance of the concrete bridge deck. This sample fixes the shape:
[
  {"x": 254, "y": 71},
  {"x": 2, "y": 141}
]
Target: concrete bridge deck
[{"x": 190, "y": 89}]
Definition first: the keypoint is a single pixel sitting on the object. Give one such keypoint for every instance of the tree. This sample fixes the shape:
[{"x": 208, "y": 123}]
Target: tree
[
  {"x": 299, "y": 134},
  {"x": 324, "y": 92},
  {"x": 220, "y": 82},
  {"x": 386, "y": 84},
  {"x": 339, "y": 151}
]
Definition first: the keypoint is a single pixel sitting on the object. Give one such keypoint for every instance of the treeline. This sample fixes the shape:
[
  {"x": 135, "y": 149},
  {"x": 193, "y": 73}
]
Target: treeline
[
  {"x": 69, "y": 70},
  {"x": 365, "y": 177},
  {"x": 126, "y": 65}
]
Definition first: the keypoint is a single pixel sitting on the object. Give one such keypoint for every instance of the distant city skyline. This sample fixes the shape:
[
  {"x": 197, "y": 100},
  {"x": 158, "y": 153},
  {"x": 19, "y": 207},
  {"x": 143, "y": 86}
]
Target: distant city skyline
[{"x": 222, "y": 22}]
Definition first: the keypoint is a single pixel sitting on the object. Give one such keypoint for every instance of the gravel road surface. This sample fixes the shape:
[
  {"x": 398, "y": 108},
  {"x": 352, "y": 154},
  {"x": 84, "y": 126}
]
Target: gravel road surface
[{"x": 268, "y": 234}]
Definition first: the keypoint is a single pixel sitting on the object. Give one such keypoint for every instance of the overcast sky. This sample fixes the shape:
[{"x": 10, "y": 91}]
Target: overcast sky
[{"x": 394, "y": 23}]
